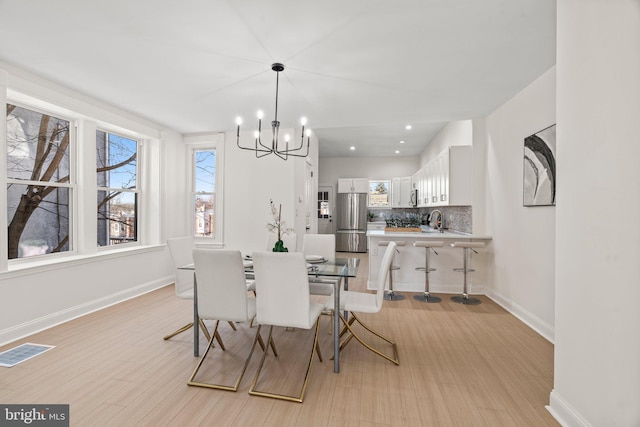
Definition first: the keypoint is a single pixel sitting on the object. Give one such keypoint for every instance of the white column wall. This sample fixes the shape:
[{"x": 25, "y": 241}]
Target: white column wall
[
  {"x": 249, "y": 185},
  {"x": 521, "y": 273},
  {"x": 597, "y": 352}
]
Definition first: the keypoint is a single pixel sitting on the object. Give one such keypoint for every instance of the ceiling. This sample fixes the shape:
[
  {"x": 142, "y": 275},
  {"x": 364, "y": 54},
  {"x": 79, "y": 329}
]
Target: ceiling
[{"x": 359, "y": 70}]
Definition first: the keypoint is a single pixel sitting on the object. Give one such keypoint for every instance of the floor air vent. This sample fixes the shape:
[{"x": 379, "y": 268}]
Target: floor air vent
[{"x": 21, "y": 353}]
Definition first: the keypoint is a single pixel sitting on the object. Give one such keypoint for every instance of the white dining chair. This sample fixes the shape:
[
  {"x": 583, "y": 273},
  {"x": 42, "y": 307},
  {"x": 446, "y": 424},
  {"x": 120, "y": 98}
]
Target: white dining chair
[
  {"x": 283, "y": 300},
  {"x": 222, "y": 295},
  {"x": 323, "y": 245},
  {"x": 180, "y": 249},
  {"x": 364, "y": 302}
]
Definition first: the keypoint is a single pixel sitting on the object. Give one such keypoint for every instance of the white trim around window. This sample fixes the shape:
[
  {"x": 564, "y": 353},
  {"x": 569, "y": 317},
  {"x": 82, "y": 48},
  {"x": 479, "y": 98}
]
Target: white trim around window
[{"x": 204, "y": 142}]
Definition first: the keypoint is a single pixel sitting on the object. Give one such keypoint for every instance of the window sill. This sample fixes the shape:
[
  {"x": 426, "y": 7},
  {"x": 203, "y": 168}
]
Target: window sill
[{"x": 32, "y": 266}]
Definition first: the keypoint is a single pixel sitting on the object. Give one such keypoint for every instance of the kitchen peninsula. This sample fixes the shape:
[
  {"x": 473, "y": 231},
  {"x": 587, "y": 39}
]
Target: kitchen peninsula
[{"x": 444, "y": 279}]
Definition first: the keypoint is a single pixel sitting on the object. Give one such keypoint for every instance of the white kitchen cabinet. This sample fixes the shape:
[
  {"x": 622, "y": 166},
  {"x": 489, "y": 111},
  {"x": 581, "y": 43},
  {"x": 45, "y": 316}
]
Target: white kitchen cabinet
[
  {"x": 353, "y": 185},
  {"x": 446, "y": 180},
  {"x": 460, "y": 176},
  {"x": 401, "y": 192},
  {"x": 376, "y": 225},
  {"x": 422, "y": 188}
]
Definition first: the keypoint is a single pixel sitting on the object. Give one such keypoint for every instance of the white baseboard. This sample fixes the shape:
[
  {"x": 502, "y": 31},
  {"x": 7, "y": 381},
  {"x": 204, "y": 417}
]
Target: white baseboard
[
  {"x": 534, "y": 322},
  {"x": 564, "y": 413},
  {"x": 17, "y": 332}
]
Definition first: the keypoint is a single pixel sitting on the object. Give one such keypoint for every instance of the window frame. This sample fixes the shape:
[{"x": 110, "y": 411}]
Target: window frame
[
  {"x": 138, "y": 191},
  {"x": 389, "y": 195},
  {"x": 71, "y": 185},
  {"x": 202, "y": 143},
  {"x": 85, "y": 119}
]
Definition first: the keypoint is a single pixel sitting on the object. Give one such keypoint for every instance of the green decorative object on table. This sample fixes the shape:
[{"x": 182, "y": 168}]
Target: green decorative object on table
[
  {"x": 279, "y": 247},
  {"x": 278, "y": 225}
]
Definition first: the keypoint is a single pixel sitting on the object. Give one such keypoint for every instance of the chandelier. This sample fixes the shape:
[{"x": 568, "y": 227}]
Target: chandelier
[{"x": 261, "y": 149}]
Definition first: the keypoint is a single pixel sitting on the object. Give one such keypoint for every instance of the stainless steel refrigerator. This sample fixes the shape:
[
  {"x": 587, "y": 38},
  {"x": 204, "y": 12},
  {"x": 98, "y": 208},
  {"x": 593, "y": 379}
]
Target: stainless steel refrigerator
[{"x": 351, "y": 227}]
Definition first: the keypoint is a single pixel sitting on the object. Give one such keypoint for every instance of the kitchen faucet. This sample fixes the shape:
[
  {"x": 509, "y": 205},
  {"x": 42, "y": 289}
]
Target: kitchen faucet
[{"x": 439, "y": 221}]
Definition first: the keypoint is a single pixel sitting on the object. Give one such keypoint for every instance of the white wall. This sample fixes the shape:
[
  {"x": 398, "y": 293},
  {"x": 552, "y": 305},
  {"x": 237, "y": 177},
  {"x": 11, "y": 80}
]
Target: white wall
[
  {"x": 249, "y": 185},
  {"x": 597, "y": 351},
  {"x": 523, "y": 246},
  {"x": 333, "y": 168},
  {"x": 453, "y": 133}
]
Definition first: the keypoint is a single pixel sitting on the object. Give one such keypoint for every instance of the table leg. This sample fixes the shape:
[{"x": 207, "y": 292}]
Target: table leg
[
  {"x": 336, "y": 327},
  {"x": 346, "y": 288},
  {"x": 196, "y": 323}
]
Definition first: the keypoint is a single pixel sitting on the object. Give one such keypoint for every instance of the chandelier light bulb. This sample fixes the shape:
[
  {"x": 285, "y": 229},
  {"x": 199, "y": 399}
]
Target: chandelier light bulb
[
  {"x": 238, "y": 120},
  {"x": 303, "y": 121},
  {"x": 286, "y": 137},
  {"x": 308, "y": 132},
  {"x": 260, "y": 114},
  {"x": 256, "y": 134}
]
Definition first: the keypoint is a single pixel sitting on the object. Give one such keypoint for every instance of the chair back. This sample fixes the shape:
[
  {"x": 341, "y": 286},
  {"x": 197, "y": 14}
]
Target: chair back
[
  {"x": 181, "y": 249},
  {"x": 290, "y": 241},
  {"x": 323, "y": 245},
  {"x": 222, "y": 290},
  {"x": 383, "y": 274},
  {"x": 282, "y": 289}
]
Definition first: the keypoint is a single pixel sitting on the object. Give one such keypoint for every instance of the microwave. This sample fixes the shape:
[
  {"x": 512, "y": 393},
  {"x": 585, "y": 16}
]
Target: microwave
[{"x": 413, "y": 201}]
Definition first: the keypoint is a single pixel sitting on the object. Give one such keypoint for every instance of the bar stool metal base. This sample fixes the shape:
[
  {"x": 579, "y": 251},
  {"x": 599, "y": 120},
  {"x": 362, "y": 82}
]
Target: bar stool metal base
[
  {"x": 464, "y": 299},
  {"x": 427, "y": 298},
  {"x": 393, "y": 296}
]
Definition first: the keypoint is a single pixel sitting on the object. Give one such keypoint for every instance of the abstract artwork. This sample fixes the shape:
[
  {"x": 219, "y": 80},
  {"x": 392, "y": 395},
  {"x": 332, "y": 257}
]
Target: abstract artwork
[{"x": 540, "y": 168}]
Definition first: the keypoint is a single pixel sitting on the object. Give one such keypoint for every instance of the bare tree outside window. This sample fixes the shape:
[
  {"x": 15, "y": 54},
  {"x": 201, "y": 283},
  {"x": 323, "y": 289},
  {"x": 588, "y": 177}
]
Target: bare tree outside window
[
  {"x": 204, "y": 185},
  {"x": 379, "y": 193},
  {"x": 117, "y": 188},
  {"x": 38, "y": 183}
]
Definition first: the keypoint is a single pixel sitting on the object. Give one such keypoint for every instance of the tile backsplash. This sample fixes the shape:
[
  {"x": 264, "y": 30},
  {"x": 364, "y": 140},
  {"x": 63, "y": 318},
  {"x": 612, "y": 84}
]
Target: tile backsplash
[{"x": 456, "y": 218}]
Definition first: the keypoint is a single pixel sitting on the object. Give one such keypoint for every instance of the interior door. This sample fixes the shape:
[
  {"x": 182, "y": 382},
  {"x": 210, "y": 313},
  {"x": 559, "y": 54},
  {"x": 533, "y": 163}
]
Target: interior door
[{"x": 325, "y": 209}]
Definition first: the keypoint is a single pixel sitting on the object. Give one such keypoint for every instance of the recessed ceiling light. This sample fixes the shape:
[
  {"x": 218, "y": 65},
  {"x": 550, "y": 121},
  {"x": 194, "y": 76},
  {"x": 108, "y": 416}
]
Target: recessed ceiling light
[
  {"x": 401, "y": 142},
  {"x": 352, "y": 148},
  {"x": 397, "y": 151},
  {"x": 407, "y": 127}
]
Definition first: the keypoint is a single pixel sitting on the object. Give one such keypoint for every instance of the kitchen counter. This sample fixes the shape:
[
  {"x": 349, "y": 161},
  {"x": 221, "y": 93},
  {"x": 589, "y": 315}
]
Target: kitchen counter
[
  {"x": 444, "y": 279},
  {"x": 431, "y": 234}
]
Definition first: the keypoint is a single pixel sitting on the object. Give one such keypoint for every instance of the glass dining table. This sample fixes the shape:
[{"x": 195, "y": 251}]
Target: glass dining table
[{"x": 338, "y": 269}]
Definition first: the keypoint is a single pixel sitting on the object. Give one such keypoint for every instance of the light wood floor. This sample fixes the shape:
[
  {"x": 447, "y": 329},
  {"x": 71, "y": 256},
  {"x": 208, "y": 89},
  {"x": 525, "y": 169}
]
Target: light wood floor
[{"x": 459, "y": 366}]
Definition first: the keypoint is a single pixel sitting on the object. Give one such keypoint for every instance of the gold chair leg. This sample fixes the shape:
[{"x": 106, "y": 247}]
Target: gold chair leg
[
  {"x": 204, "y": 329},
  {"x": 233, "y": 326},
  {"x": 300, "y": 398},
  {"x": 352, "y": 334},
  {"x": 273, "y": 346},
  {"x": 179, "y": 331},
  {"x": 234, "y": 388}
]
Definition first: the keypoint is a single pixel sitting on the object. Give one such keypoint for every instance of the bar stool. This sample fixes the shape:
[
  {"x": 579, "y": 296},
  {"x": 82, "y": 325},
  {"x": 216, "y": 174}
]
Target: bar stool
[
  {"x": 391, "y": 295},
  {"x": 428, "y": 245},
  {"x": 466, "y": 269}
]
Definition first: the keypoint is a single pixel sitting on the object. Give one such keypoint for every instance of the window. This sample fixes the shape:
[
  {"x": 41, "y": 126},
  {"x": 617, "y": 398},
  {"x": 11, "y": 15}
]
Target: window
[
  {"x": 379, "y": 194},
  {"x": 323, "y": 205},
  {"x": 39, "y": 183},
  {"x": 204, "y": 195},
  {"x": 117, "y": 189}
]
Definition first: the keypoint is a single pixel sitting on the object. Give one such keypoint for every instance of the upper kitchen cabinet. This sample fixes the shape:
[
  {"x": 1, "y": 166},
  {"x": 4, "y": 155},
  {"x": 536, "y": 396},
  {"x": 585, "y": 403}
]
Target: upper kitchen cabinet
[
  {"x": 401, "y": 192},
  {"x": 353, "y": 185},
  {"x": 447, "y": 179},
  {"x": 454, "y": 170}
]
